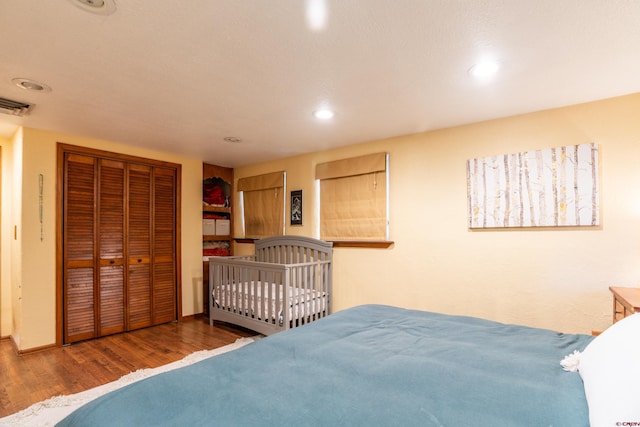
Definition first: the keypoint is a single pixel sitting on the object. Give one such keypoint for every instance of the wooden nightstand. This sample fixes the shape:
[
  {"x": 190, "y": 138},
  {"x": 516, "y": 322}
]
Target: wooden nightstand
[{"x": 626, "y": 301}]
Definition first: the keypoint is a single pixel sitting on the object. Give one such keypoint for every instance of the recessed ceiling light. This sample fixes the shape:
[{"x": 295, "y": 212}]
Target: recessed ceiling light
[
  {"x": 32, "y": 85},
  {"x": 484, "y": 69},
  {"x": 100, "y": 7},
  {"x": 316, "y": 13},
  {"x": 233, "y": 140},
  {"x": 323, "y": 114}
]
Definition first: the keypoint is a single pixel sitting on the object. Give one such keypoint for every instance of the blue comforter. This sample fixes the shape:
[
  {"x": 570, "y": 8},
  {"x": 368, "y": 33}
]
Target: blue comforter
[{"x": 367, "y": 366}]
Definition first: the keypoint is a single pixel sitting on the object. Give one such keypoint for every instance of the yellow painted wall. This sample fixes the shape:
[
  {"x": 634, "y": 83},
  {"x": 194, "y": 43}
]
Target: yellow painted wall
[
  {"x": 6, "y": 237},
  {"x": 553, "y": 278},
  {"x": 550, "y": 278},
  {"x": 15, "y": 252},
  {"x": 33, "y": 313}
]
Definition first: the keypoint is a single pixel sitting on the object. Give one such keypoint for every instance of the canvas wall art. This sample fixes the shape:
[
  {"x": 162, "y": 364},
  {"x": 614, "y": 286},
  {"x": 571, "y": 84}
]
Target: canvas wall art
[
  {"x": 543, "y": 188},
  {"x": 296, "y": 207}
]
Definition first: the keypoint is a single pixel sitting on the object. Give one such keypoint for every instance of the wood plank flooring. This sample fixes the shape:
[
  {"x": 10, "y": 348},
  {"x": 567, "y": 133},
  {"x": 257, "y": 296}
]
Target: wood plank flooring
[{"x": 32, "y": 377}]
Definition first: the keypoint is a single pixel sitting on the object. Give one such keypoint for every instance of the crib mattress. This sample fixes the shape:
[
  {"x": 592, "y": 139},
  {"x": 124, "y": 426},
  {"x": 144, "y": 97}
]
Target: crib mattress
[{"x": 256, "y": 301}]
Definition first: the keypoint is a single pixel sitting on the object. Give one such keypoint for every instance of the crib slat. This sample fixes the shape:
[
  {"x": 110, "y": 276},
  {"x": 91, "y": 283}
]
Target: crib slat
[
  {"x": 305, "y": 308},
  {"x": 234, "y": 282},
  {"x": 268, "y": 286}
]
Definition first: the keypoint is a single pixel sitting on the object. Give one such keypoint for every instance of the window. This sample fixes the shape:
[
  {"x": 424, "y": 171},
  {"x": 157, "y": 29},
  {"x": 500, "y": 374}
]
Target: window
[
  {"x": 354, "y": 198},
  {"x": 262, "y": 198}
]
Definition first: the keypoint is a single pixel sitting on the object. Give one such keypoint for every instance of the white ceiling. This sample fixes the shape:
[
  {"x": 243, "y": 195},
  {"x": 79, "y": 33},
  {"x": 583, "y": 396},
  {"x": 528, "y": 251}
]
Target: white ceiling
[{"x": 179, "y": 76}]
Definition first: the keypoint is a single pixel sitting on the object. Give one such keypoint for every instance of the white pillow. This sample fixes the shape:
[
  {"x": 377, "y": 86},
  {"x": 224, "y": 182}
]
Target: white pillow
[{"x": 610, "y": 370}]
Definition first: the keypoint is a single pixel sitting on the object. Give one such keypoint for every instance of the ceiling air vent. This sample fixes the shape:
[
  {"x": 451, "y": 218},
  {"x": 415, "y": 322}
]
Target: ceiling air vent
[{"x": 13, "y": 108}]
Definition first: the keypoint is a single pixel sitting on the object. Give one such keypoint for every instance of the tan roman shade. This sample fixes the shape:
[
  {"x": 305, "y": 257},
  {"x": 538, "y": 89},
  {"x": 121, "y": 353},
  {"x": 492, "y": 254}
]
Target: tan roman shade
[
  {"x": 263, "y": 197},
  {"x": 354, "y": 166},
  {"x": 261, "y": 182},
  {"x": 353, "y": 198}
]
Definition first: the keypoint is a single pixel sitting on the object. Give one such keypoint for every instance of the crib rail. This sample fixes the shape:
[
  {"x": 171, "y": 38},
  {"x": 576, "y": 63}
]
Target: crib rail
[{"x": 293, "y": 250}]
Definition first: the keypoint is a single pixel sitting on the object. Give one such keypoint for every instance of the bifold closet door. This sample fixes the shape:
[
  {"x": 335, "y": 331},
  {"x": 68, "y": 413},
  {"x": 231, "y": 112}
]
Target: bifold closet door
[
  {"x": 93, "y": 247},
  {"x": 164, "y": 245},
  {"x": 80, "y": 173},
  {"x": 139, "y": 241},
  {"x": 119, "y": 246},
  {"x": 152, "y": 246},
  {"x": 111, "y": 220}
]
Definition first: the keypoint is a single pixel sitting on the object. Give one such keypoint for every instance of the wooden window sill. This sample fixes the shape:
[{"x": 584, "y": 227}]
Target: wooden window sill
[
  {"x": 246, "y": 239},
  {"x": 376, "y": 244}
]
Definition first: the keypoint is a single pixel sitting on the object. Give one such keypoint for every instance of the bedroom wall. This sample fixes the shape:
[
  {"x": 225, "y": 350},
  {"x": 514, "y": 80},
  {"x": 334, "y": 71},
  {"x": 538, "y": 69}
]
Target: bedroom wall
[
  {"x": 34, "y": 315},
  {"x": 15, "y": 227},
  {"x": 544, "y": 277},
  {"x": 5, "y": 242}
]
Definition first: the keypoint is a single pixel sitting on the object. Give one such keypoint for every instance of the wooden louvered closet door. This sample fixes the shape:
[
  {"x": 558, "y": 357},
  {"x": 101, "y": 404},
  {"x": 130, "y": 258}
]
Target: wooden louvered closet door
[
  {"x": 139, "y": 238},
  {"x": 152, "y": 246},
  {"x": 80, "y": 173},
  {"x": 119, "y": 246},
  {"x": 111, "y": 214},
  {"x": 164, "y": 238}
]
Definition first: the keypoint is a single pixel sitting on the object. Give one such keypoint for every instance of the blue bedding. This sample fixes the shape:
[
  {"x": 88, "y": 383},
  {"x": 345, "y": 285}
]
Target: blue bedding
[{"x": 371, "y": 365}]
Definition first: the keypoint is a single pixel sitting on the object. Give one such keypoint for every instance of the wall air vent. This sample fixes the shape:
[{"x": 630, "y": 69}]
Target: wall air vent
[{"x": 14, "y": 108}]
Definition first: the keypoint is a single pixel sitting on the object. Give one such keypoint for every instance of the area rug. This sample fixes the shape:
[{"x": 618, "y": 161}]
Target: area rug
[{"x": 50, "y": 411}]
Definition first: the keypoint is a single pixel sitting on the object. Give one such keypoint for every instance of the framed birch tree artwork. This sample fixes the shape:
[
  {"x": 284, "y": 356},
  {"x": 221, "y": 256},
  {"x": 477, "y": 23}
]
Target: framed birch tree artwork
[{"x": 544, "y": 188}]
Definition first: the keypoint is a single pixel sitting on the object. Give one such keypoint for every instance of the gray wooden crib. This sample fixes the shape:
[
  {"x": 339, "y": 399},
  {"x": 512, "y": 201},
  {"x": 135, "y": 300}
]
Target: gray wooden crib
[{"x": 286, "y": 283}]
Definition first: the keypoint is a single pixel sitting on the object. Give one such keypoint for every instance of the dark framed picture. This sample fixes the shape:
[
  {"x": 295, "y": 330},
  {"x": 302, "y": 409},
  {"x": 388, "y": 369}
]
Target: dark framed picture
[{"x": 296, "y": 207}]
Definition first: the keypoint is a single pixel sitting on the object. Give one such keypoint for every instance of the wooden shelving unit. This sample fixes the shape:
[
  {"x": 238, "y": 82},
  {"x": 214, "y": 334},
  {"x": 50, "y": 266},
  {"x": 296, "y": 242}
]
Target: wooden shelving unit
[
  {"x": 217, "y": 210},
  {"x": 217, "y": 219}
]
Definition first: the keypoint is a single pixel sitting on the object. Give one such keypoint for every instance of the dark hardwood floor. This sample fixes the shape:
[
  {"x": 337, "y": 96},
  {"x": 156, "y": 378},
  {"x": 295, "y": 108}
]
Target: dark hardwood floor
[{"x": 29, "y": 378}]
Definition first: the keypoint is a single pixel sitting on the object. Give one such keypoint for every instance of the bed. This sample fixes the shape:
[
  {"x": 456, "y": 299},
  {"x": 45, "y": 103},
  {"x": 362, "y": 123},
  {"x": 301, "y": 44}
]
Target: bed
[
  {"x": 285, "y": 284},
  {"x": 373, "y": 365}
]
